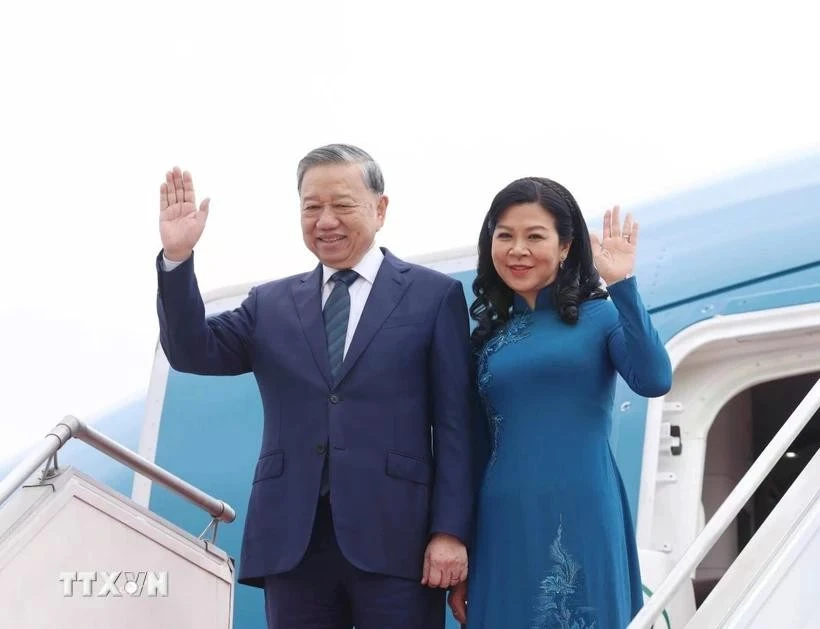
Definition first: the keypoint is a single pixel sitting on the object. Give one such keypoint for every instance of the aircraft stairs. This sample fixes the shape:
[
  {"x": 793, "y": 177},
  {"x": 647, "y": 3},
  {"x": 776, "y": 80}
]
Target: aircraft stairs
[
  {"x": 76, "y": 554},
  {"x": 775, "y": 581}
]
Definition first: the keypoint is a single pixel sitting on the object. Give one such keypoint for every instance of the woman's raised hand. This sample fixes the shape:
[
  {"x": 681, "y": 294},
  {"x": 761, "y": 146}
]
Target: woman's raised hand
[{"x": 614, "y": 256}]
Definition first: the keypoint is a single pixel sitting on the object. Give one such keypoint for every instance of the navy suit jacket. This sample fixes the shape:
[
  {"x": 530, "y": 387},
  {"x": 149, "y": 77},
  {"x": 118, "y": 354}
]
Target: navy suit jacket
[{"x": 396, "y": 427}]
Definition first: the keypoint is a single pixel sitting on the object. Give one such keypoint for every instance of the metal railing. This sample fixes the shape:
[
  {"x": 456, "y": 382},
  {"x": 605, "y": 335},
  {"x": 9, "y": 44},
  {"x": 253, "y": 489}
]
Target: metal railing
[
  {"x": 71, "y": 427},
  {"x": 727, "y": 511}
]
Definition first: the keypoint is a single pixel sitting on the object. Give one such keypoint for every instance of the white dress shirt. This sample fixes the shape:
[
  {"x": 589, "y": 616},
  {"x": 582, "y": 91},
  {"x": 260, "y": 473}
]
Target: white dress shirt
[{"x": 367, "y": 268}]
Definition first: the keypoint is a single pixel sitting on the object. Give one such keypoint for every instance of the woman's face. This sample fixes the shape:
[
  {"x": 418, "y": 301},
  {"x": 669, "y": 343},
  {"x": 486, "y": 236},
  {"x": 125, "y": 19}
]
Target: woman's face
[{"x": 526, "y": 250}]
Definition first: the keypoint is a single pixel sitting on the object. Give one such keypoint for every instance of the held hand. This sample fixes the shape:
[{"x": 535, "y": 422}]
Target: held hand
[
  {"x": 180, "y": 225},
  {"x": 457, "y": 600},
  {"x": 614, "y": 256},
  {"x": 445, "y": 562}
]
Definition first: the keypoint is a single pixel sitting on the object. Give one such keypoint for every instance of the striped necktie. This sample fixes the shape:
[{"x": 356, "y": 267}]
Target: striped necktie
[{"x": 336, "y": 314}]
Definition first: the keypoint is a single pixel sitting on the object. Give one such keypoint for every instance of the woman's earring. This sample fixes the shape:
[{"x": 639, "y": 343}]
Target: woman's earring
[{"x": 561, "y": 264}]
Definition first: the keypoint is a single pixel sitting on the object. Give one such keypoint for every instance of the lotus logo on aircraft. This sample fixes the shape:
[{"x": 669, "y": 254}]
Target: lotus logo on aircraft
[{"x": 114, "y": 584}]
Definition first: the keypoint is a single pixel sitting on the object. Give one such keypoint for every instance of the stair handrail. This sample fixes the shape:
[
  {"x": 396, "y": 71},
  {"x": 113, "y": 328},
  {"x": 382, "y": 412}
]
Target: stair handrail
[
  {"x": 729, "y": 509},
  {"x": 71, "y": 427}
]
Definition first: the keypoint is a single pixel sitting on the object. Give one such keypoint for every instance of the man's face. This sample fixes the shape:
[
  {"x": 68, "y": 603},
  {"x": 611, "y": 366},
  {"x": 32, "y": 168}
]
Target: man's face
[{"x": 340, "y": 215}]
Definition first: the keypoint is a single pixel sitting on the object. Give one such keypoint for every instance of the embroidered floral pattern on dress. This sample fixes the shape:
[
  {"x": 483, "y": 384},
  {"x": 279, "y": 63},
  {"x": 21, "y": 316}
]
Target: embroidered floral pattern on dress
[
  {"x": 556, "y": 608},
  {"x": 515, "y": 330}
]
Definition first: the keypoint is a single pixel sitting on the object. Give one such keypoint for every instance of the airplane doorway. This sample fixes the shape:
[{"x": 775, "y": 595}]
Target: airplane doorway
[{"x": 741, "y": 430}]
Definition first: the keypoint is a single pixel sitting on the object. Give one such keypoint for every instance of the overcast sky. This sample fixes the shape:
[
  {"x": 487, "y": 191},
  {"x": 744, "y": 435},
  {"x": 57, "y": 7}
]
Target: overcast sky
[{"x": 622, "y": 102}]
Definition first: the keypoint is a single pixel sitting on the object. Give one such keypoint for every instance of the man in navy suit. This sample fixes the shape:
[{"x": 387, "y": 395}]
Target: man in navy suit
[{"x": 361, "y": 505}]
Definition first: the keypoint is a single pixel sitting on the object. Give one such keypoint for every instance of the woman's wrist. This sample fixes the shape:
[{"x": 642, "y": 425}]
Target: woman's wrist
[{"x": 620, "y": 279}]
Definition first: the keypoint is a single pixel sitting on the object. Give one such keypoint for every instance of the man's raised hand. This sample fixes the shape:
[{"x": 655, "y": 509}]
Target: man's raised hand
[{"x": 180, "y": 224}]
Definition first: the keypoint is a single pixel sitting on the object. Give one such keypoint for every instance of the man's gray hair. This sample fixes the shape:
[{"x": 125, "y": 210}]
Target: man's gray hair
[{"x": 343, "y": 154}]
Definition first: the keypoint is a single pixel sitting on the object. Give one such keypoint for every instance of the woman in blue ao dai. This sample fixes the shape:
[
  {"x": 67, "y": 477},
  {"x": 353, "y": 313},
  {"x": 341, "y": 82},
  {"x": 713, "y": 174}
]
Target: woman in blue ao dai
[{"x": 554, "y": 544}]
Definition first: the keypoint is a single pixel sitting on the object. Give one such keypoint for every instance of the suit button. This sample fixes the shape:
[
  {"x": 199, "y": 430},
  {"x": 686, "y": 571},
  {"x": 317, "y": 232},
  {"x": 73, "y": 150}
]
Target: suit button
[
  {"x": 320, "y": 449},
  {"x": 334, "y": 399}
]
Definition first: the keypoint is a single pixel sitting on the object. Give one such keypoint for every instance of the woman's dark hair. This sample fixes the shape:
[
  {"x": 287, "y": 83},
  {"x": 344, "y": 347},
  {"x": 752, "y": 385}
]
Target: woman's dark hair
[{"x": 577, "y": 280}]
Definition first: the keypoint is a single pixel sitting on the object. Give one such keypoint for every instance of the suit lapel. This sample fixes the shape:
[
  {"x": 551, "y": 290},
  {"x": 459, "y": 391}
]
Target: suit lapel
[
  {"x": 307, "y": 294},
  {"x": 391, "y": 283}
]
